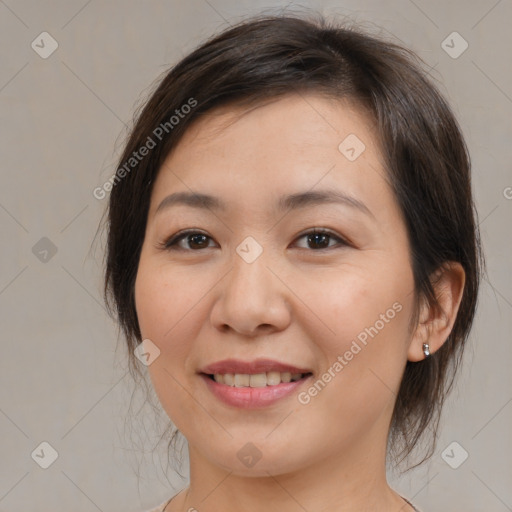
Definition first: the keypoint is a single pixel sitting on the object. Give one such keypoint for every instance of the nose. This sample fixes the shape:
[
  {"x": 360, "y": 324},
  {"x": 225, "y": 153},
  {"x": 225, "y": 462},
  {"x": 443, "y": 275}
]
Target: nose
[{"x": 252, "y": 299}]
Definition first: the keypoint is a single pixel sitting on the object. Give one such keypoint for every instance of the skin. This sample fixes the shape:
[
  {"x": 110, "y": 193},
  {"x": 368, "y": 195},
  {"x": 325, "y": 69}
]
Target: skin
[{"x": 296, "y": 303}]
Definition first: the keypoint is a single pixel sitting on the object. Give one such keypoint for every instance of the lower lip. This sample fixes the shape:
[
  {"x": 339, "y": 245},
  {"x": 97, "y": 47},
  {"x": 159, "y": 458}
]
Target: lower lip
[{"x": 252, "y": 398}]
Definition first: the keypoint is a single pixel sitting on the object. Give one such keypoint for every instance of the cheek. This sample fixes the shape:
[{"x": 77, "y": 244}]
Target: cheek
[
  {"x": 165, "y": 312},
  {"x": 361, "y": 317},
  {"x": 173, "y": 308},
  {"x": 346, "y": 301},
  {"x": 162, "y": 300}
]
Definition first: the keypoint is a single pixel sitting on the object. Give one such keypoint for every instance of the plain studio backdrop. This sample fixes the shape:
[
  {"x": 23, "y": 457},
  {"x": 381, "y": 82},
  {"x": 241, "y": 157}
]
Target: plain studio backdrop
[{"x": 71, "y": 75}]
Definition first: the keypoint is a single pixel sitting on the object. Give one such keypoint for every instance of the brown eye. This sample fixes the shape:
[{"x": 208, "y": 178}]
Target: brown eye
[
  {"x": 319, "y": 239},
  {"x": 193, "y": 240},
  {"x": 198, "y": 241}
]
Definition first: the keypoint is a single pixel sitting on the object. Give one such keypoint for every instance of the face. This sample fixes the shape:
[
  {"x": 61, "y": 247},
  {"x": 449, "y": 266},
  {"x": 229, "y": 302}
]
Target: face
[{"x": 299, "y": 259}]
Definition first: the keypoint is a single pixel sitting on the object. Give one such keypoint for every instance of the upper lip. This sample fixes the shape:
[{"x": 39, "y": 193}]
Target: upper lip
[{"x": 250, "y": 367}]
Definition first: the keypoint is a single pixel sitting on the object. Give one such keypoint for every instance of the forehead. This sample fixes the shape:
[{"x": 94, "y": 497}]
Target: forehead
[
  {"x": 295, "y": 142},
  {"x": 294, "y": 121}
]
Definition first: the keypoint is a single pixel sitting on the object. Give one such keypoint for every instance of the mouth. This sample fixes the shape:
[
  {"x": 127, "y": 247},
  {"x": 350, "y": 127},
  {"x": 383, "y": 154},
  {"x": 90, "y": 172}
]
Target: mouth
[
  {"x": 253, "y": 384},
  {"x": 239, "y": 395},
  {"x": 256, "y": 380}
]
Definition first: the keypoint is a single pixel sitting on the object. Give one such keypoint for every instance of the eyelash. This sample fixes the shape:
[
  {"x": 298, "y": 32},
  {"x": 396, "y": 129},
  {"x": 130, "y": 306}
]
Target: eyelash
[{"x": 170, "y": 244}]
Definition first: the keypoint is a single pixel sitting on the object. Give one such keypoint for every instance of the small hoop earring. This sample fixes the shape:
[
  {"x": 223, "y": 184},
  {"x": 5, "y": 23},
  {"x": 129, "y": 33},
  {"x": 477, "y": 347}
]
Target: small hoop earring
[{"x": 426, "y": 350}]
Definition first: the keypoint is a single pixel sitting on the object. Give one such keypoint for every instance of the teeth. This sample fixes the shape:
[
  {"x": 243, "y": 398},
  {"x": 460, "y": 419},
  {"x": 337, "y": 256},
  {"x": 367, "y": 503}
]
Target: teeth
[
  {"x": 241, "y": 380},
  {"x": 257, "y": 380},
  {"x": 273, "y": 378}
]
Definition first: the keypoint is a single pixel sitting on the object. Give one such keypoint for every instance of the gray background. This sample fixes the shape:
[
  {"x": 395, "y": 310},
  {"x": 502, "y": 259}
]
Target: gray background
[{"x": 63, "y": 119}]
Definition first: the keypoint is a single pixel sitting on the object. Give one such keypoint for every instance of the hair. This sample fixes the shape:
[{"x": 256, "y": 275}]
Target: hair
[{"x": 428, "y": 168}]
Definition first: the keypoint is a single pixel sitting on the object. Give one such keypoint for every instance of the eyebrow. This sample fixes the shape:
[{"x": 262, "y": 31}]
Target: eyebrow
[{"x": 289, "y": 202}]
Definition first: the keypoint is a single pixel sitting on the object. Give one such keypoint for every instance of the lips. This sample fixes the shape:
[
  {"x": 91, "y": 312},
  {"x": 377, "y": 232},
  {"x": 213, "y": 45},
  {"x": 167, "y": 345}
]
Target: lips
[{"x": 233, "y": 366}]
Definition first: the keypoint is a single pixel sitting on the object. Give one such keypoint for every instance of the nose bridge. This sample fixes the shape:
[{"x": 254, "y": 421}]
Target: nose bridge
[
  {"x": 251, "y": 295},
  {"x": 251, "y": 280}
]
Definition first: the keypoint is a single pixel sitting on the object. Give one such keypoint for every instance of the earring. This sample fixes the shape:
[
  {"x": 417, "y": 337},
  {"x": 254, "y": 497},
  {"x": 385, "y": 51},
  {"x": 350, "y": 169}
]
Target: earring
[{"x": 426, "y": 350}]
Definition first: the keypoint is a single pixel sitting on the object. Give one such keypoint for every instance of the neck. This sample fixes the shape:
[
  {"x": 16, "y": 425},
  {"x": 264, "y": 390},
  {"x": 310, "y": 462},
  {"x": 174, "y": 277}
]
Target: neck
[{"x": 346, "y": 483}]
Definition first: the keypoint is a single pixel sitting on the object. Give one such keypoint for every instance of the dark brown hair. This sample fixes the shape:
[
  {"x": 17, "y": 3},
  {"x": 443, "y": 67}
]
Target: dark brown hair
[{"x": 428, "y": 167}]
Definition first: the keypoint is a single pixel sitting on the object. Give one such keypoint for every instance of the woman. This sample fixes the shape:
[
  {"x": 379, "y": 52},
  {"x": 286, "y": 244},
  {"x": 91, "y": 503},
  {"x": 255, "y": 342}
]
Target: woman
[{"x": 293, "y": 253}]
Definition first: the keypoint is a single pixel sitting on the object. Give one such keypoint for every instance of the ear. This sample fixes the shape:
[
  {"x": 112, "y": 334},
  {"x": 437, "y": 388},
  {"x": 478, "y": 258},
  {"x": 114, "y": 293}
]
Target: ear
[{"x": 435, "y": 323}]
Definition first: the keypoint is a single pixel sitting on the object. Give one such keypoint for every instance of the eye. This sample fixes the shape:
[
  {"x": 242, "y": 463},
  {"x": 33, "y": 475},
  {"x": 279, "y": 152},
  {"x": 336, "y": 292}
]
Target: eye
[
  {"x": 194, "y": 240},
  {"x": 320, "y": 239}
]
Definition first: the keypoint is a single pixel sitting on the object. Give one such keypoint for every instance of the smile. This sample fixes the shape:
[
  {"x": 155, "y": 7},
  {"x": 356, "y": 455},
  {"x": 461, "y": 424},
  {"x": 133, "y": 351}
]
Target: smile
[{"x": 254, "y": 391}]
